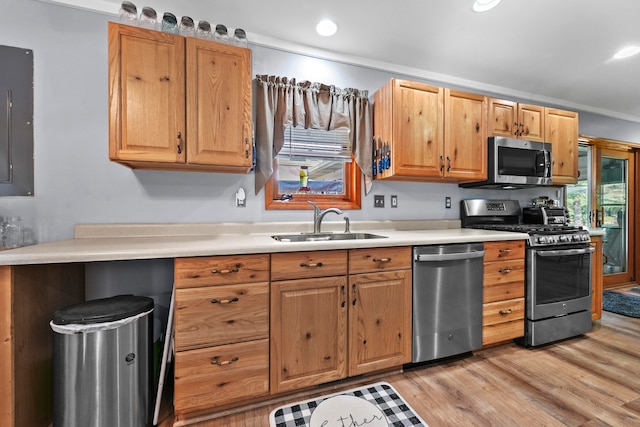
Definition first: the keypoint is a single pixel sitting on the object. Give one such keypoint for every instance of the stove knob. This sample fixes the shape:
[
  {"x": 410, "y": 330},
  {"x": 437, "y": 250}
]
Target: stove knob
[{"x": 542, "y": 239}]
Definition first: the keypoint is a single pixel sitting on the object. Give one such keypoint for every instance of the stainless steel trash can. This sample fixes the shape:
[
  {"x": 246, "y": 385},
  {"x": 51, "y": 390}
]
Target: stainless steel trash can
[{"x": 102, "y": 363}]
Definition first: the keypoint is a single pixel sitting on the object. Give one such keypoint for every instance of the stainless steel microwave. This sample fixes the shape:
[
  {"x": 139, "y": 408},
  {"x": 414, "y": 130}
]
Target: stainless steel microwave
[{"x": 516, "y": 163}]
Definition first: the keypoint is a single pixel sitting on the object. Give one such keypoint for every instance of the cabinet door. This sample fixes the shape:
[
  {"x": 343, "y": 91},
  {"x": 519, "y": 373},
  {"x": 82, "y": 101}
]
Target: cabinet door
[
  {"x": 503, "y": 118},
  {"x": 465, "y": 136},
  {"x": 219, "y": 105},
  {"x": 561, "y": 130},
  {"x": 409, "y": 117},
  {"x": 308, "y": 332},
  {"x": 146, "y": 95},
  {"x": 531, "y": 122},
  {"x": 379, "y": 321}
]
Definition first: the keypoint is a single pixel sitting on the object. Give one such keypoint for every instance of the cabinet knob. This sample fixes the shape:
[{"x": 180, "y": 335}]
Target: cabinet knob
[
  {"x": 504, "y": 312},
  {"x": 382, "y": 260},
  {"x": 505, "y": 251},
  {"x": 505, "y": 270}
]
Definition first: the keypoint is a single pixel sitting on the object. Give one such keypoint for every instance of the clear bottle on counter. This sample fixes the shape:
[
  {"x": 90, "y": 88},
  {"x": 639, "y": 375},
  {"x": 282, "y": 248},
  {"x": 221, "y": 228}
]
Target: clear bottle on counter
[
  {"x": 187, "y": 27},
  {"x": 13, "y": 232}
]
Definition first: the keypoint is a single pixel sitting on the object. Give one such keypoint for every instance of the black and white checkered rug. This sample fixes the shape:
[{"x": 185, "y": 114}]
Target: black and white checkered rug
[{"x": 375, "y": 405}]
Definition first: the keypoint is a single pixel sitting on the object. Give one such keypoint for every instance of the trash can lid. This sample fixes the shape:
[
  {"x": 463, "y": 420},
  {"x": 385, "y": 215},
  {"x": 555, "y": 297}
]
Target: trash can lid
[{"x": 103, "y": 310}]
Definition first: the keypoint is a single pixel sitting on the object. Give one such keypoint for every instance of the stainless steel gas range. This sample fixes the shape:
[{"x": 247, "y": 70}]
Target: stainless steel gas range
[{"x": 558, "y": 270}]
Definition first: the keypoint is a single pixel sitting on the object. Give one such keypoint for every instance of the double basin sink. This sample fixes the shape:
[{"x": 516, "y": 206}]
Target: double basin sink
[{"x": 320, "y": 237}]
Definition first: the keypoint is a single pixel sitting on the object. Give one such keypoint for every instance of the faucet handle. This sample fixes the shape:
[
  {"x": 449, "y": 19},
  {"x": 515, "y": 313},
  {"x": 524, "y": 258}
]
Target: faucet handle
[{"x": 346, "y": 225}]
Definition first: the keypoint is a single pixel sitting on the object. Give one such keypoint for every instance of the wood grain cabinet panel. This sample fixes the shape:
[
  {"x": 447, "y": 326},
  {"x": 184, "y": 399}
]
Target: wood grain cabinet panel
[
  {"x": 178, "y": 102},
  {"x": 221, "y": 270},
  {"x": 515, "y": 120},
  {"x": 503, "y": 291},
  {"x": 308, "y": 332},
  {"x": 221, "y": 314},
  {"x": 221, "y": 325},
  {"x": 379, "y": 320},
  {"x": 379, "y": 259},
  {"x": 217, "y": 376},
  {"x": 561, "y": 130},
  {"x": 299, "y": 265},
  {"x": 431, "y": 133}
]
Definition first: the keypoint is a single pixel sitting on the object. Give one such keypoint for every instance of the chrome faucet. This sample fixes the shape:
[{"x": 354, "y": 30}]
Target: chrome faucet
[{"x": 318, "y": 215}]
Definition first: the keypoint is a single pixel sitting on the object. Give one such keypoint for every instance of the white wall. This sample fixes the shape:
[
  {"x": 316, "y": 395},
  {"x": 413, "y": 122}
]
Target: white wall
[{"x": 76, "y": 183}]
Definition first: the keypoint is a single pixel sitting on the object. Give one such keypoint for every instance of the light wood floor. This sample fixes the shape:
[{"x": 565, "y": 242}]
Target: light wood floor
[{"x": 591, "y": 381}]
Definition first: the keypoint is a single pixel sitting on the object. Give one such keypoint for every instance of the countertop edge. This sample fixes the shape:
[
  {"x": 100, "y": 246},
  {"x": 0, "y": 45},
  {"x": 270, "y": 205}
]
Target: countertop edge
[{"x": 139, "y": 248}]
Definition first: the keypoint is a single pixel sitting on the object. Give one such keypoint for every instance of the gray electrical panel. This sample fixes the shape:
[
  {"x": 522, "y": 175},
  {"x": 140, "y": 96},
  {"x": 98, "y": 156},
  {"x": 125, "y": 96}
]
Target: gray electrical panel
[{"x": 16, "y": 121}]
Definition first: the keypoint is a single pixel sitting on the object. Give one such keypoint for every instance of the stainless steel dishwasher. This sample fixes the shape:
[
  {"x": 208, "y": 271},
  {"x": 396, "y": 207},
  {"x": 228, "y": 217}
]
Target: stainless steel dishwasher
[{"x": 447, "y": 300}]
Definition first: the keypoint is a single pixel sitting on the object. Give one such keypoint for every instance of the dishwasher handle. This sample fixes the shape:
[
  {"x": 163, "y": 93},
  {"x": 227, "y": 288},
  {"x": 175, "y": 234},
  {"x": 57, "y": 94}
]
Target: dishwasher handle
[{"x": 449, "y": 257}]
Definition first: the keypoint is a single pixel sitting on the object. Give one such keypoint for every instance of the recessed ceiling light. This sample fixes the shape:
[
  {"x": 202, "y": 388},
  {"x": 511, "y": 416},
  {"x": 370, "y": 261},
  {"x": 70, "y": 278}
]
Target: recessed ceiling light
[
  {"x": 627, "y": 52},
  {"x": 484, "y": 5},
  {"x": 326, "y": 28}
]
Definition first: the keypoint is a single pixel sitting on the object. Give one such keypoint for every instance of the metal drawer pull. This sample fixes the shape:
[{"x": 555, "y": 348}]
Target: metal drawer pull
[
  {"x": 224, "y": 301},
  {"x": 506, "y": 251},
  {"x": 505, "y": 270},
  {"x": 382, "y": 260},
  {"x": 216, "y": 271},
  {"x": 215, "y": 360},
  {"x": 505, "y": 312},
  {"x": 317, "y": 264}
]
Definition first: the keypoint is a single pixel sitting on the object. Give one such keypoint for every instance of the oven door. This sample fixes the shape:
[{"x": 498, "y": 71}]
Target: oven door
[{"x": 558, "y": 281}]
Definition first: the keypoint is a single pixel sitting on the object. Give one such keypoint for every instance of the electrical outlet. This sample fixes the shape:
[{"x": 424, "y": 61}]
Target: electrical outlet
[
  {"x": 394, "y": 201},
  {"x": 447, "y": 202},
  {"x": 378, "y": 201}
]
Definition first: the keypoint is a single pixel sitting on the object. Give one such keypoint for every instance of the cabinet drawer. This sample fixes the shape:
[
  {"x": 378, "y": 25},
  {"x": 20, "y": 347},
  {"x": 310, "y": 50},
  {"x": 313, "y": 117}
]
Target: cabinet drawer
[
  {"x": 299, "y": 265},
  {"x": 221, "y": 270},
  {"x": 502, "y": 311},
  {"x": 500, "y": 332},
  {"x": 221, "y": 314},
  {"x": 377, "y": 259},
  {"x": 210, "y": 377},
  {"x": 502, "y": 291},
  {"x": 508, "y": 249},
  {"x": 499, "y": 272}
]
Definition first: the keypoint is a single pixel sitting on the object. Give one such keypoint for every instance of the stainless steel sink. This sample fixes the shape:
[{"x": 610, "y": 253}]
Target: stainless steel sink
[{"x": 319, "y": 237}]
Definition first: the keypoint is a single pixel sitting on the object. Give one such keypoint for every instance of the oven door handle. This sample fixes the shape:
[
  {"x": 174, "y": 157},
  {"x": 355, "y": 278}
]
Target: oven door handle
[
  {"x": 450, "y": 257},
  {"x": 563, "y": 252}
]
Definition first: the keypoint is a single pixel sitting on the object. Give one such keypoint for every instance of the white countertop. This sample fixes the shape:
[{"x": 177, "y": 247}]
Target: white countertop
[{"x": 149, "y": 241}]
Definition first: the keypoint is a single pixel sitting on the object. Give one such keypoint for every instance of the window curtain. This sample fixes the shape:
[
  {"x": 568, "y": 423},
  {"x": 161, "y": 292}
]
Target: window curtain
[{"x": 281, "y": 101}]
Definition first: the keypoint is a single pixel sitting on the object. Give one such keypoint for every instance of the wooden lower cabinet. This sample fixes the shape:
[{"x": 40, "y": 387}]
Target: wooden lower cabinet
[
  {"x": 503, "y": 293},
  {"x": 222, "y": 375},
  {"x": 308, "y": 332},
  {"x": 221, "y": 332},
  {"x": 379, "y": 321},
  {"x": 596, "y": 278},
  {"x": 328, "y": 328}
]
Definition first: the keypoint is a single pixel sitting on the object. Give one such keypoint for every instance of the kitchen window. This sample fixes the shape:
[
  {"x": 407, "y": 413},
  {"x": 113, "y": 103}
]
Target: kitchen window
[{"x": 313, "y": 142}]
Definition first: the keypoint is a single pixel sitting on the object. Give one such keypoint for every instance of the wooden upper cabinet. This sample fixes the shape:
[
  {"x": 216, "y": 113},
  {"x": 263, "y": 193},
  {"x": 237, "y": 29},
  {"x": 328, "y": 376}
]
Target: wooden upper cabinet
[
  {"x": 434, "y": 134},
  {"x": 409, "y": 117},
  {"x": 178, "y": 103},
  {"x": 218, "y": 105},
  {"x": 146, "y": 95},
  {"x": 561, "y": 130},
  {"x": 516, "y": 120},
  {"x": 465, "y": 136}
]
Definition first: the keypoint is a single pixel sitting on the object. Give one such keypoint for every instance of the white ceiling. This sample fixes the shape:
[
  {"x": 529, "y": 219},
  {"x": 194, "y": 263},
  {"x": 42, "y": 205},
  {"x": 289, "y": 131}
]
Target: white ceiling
[{"x": 550, "y": 51}]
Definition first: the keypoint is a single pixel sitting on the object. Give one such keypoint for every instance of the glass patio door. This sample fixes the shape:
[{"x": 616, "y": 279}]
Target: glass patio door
[
  {"x": 580, "y": 196},
  {"x": 615, "y": 198}
]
